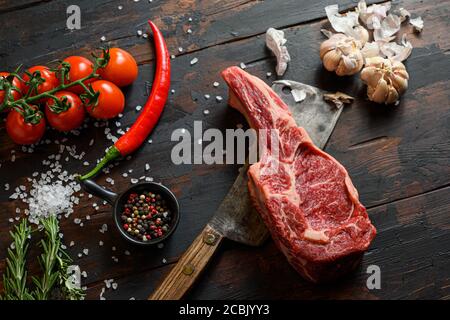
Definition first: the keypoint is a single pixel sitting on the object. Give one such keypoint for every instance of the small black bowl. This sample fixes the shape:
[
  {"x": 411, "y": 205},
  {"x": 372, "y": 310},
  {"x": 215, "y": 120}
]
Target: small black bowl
[{"x": 118, "y": 201}]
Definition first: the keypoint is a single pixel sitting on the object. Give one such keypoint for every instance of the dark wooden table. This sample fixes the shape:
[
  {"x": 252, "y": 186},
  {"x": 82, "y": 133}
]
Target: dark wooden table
[{"x": 398, "y": 157}]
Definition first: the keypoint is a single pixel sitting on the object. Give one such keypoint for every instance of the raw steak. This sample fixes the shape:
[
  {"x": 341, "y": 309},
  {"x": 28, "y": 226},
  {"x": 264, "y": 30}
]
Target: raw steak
[{"x": 305, "y": 197}]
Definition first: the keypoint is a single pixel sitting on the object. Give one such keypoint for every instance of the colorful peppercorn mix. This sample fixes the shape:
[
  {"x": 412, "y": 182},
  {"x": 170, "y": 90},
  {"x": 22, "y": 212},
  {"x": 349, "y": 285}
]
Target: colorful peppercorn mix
[{"x": 146, "y": 216}]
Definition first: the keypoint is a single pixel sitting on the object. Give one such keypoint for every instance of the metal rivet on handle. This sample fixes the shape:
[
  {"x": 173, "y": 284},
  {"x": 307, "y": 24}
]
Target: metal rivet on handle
[
  {"x": 188, "y": 269},
  {"x": 209, "y": 238}
]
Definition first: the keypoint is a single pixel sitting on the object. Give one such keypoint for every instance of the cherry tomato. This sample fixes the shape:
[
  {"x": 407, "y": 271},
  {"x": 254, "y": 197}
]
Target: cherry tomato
[
  {"x": 111, "y": 100},
  {"x": 80, "y": 67},
  {"x": 17, "y": 83},
  {"x": 22, "y": 132},
  {"x": 121, "y": 69},
  {"x": 69, "y": 119},
  {"x": 50, "y": 82}
]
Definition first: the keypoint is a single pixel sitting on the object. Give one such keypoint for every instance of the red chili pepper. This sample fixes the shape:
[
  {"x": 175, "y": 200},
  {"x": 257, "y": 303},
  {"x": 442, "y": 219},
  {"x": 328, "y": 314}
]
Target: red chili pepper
[{"x": 151, "y": 112}]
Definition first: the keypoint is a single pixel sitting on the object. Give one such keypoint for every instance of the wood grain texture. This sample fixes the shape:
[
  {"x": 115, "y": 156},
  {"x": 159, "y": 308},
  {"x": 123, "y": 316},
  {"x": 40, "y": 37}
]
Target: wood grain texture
[
  {"x": 397, "y": 157},
  {"x": 190, "y": 266}
]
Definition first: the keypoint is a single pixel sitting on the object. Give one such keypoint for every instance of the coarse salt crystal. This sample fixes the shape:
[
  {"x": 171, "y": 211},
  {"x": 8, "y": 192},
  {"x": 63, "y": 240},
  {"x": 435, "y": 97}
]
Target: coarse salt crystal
[
  {"x": 216, "y": 84},
  {"x": 194, "y": 61}
]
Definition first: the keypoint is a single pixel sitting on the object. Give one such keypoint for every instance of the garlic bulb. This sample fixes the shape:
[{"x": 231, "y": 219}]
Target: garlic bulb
[
  {"x": 386, "y": 79},
  {"x": 341, "y": 54}
]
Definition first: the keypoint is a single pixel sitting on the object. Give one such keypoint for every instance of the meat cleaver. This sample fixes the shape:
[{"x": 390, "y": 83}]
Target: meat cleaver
[{"x": 236, "y": 219}]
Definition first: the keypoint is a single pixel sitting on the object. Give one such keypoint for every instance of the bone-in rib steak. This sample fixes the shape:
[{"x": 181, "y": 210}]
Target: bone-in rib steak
[{"x": 305, "y": 197}]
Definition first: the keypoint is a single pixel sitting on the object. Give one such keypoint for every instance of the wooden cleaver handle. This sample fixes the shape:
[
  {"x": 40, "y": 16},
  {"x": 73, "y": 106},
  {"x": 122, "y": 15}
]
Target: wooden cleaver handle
[{"x": 181, "y": 278}]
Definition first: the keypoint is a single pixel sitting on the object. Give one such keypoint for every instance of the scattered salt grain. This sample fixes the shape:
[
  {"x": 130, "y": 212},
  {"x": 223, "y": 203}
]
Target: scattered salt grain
[
  {"x": 101, "y": 294},
  {"x": 194, "y": 61},
  {"x": 138, "y": 108},
  {"x": 114, "y": 286},
  {"x": 206, "y": 112},
  {"x": 207, "y": 96},
  {"x": 172, "y": 91},
  {"x": 268, "y": 74},
  {"x": 139, "y": 33},
  {"x": 80, "y": 255},
  {"x": 84, "y": 274},
  {"x": 147, "y": 167},
  {"x": 103, "y": 38},
  {"x": 104, "y": 228},
  {"x": 242, "y": 65},
  {"x": 113, "y": 248},
  {"x": 134, "y": 181},
  {"x": 71, "y": 244},
  {"x": 164, "y": 260},
  {"x": 77, "y": 220},
  {"x": 120, "y": 7},
  {"x": 100, "y": 243},
  {"x": 124, "y": 174},
  {"x": 219, "y": 98},
  {"x": 86, "y": 251},
  {"x": 180, "y": 49},
  {"x": 189, "y": 31},
  {"x": 85, "y": 163},
  {"x": 216, "y": 84},
  {"x": 127, "y": 253}
]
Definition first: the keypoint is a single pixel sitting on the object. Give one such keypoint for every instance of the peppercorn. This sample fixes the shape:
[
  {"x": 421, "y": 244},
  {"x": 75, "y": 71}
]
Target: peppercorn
[{"x": 146, "y": 216}]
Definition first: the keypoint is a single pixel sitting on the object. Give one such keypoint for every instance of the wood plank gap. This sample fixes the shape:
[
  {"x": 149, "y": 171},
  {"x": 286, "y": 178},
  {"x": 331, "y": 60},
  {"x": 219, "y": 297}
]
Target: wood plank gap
[{"x": 410, "y": 197}]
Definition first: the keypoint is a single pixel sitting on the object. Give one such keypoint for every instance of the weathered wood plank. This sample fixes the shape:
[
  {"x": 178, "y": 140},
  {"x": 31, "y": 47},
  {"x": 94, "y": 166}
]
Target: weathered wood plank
[
  {"x": 214, "y": 22},
  {"x": 13, "y": 5},
  {"x": 412, "y": 249}
]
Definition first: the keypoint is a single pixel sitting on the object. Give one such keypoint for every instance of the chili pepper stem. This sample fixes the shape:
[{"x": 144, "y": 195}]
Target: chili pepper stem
[{"x": 110, "y": 155}]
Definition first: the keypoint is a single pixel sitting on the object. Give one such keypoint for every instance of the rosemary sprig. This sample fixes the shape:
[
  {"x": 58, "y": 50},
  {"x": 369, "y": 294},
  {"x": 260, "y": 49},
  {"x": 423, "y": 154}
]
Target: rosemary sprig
[
  {"x": 54, "y": 262},
  {"x": 15, "y": 277},
  {"x": 48, "y": 259}
]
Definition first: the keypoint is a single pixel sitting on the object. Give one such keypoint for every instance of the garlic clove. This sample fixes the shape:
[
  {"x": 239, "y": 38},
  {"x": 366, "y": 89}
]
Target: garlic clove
[
  {"x": 392, "y": 95},
  {"x": 386, "y": 80},
  {"x": 380, "y": 92},
  {"x": 331, "y": 60},
  {"x": 342, "y": 55}
]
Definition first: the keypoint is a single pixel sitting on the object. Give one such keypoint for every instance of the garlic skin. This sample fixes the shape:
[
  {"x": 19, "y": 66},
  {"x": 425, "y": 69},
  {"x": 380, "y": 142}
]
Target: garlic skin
[
  {"x": 341, "y": 54},
  {"x": 386, "y": 79}
]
